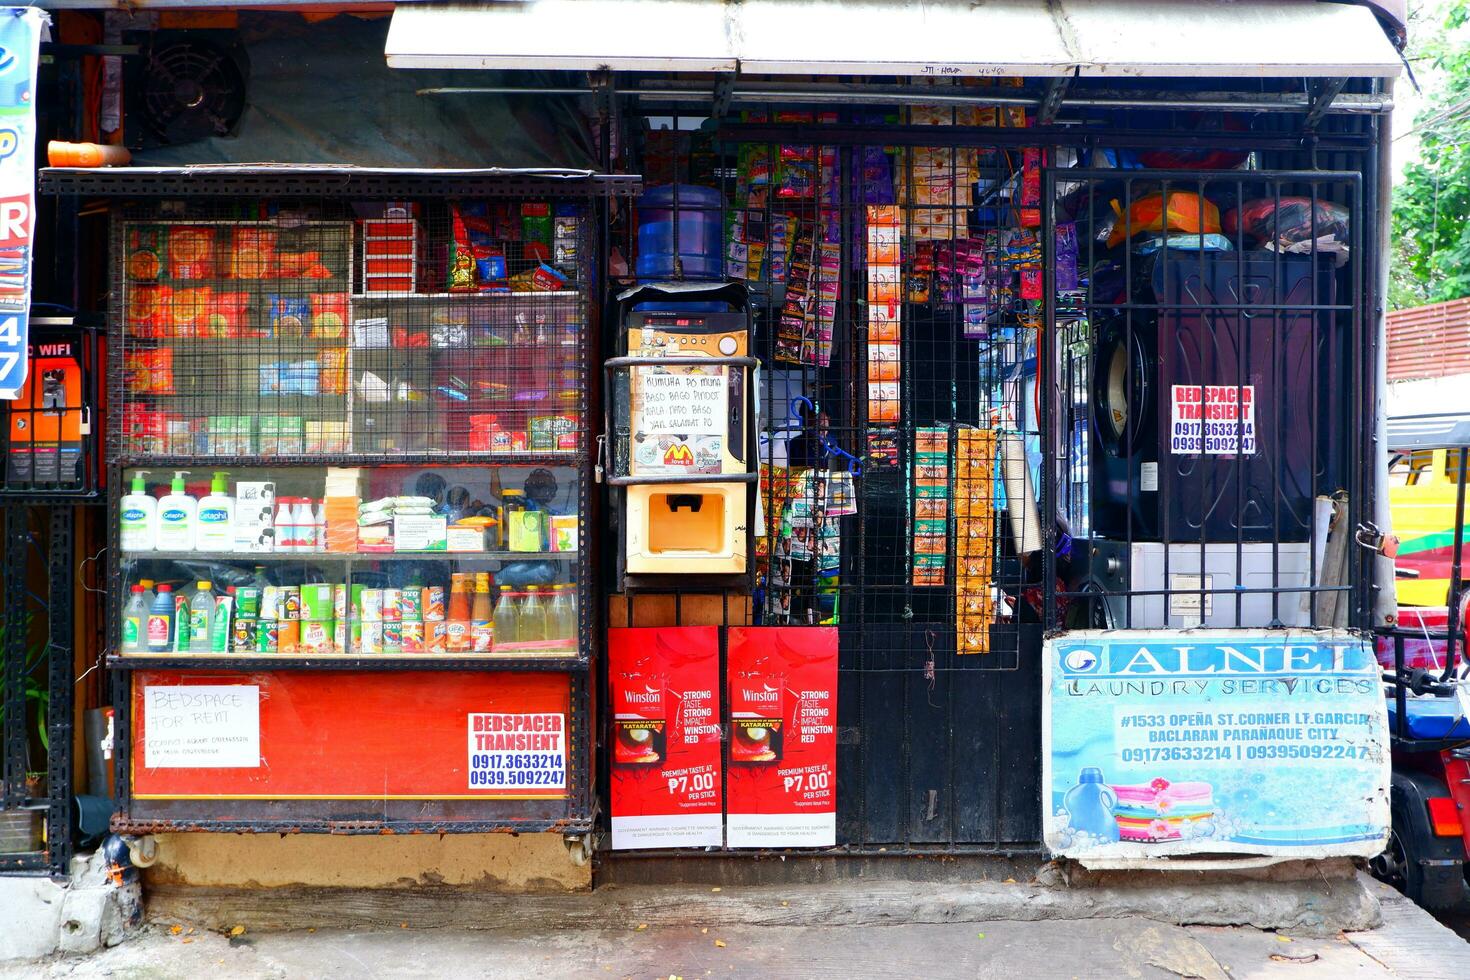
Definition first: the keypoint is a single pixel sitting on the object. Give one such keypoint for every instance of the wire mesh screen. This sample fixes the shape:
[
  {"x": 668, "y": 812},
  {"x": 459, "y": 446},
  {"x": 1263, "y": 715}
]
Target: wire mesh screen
[
  {"x": 895, "y": 336},
  {"x": 328, "y": 328}
]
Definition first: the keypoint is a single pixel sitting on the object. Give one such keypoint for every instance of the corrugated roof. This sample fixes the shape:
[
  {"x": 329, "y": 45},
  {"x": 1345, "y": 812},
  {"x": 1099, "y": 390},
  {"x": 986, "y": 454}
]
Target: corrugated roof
[{"x": 1429, "y": 341}]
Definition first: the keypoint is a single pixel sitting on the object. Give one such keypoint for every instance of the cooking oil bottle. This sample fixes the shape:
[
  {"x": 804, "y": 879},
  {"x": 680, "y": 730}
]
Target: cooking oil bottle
[
  {"x": 531, "y": 624},
  {"x": 506, "y": 618}
]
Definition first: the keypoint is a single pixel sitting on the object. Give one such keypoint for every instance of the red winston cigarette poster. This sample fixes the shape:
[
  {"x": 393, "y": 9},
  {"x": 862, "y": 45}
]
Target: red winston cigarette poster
[
  {"x": 781, "y": 691},
  {"x": 665, "y": 687}
]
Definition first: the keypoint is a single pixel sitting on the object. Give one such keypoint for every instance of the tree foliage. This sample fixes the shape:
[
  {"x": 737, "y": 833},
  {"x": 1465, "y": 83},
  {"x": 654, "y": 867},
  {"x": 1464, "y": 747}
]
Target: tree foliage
[{"x": 1431, "y": 205}]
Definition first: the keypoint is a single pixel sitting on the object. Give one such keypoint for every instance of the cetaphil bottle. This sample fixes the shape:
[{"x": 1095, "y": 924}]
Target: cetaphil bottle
[
  {"x": 138, "y": 523},
  {"x": 177, "y": 514}
]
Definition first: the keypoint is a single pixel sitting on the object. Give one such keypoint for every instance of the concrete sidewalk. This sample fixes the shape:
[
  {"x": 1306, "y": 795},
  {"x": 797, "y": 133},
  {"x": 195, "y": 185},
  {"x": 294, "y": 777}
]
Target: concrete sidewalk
[{"x": 1410, "y": 944}]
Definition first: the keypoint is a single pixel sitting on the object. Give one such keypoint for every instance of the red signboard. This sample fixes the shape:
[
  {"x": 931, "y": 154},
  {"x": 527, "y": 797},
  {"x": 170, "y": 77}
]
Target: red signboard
[
  {"x": 324, "y": 735},
  {"x": 664, "y": 685},
  {"x": 781, "y": 684}
]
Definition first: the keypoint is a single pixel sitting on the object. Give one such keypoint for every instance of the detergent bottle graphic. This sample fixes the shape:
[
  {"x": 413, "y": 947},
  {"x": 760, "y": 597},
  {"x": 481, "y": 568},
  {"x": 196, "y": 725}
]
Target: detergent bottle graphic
[{"x": 1090, "y": 805}]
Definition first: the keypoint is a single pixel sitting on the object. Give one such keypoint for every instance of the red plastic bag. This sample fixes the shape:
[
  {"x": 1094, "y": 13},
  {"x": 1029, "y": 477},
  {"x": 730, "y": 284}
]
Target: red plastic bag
[{"x": 1288, "y": 220}]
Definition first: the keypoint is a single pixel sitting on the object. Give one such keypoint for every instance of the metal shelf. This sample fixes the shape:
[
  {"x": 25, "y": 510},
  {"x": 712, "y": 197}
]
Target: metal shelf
[
  {"x": 551, "y": 662},
  {"x": 440, "y": 297},
  {"x": 417, "y": 458},
  {"x": 348, "y": 556}
]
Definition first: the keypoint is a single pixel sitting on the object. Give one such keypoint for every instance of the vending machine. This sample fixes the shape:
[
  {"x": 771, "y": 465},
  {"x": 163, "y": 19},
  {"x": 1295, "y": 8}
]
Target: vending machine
[{"x": 682, "y": 435}]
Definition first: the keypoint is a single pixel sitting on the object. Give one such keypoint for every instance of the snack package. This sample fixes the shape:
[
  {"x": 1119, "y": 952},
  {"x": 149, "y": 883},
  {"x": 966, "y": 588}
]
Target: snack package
[
  {"x": 160, "y": 371},
  {"x": 289, "y": 315},
  {"x": 188, "y": 309},
  {"x": 252, "y": 253},
  {"x": 545, "y": 279},
  {"x": 147, "y": 312},
  {"x": 224, "y": 316},
  {"x": 798, "y": 173},
  {"x": 137, "y": 371},
  {"x": 301, "y": 265},
  {"x": 469, "y": 226},
  {"x": 332, "y": 369},
  {"x": 191, "y": 253},
  {"x": 145, "y": 253},
  {"x": 329, "y": 315},
  {"x": 536, "y": 229},
  {"x": 490, "y": 268}
]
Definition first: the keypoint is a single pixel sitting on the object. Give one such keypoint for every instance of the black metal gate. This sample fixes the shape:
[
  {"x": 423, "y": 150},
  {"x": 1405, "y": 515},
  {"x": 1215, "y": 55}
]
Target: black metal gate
[{"x": 990, "y": 334}]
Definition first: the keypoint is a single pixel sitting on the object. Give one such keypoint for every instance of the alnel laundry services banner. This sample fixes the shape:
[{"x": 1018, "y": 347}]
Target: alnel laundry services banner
[
  {"x": 20, "y": 43},
  {"x": 1269, "y": 742}
]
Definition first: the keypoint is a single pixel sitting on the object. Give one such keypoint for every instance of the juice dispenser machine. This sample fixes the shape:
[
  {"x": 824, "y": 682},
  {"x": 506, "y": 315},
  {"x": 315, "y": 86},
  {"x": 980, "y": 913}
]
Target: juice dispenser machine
[{"x": 682, "y": 435}]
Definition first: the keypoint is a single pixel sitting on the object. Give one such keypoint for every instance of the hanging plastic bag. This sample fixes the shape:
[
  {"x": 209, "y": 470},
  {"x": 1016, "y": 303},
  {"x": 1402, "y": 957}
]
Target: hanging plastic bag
[
  {"x": 1183, "y": 212},
  {"x": 1288, "y": 220}
]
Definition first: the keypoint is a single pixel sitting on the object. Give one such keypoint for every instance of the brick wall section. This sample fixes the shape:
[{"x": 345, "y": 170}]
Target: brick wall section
[{"x": 1429, "y": 341}]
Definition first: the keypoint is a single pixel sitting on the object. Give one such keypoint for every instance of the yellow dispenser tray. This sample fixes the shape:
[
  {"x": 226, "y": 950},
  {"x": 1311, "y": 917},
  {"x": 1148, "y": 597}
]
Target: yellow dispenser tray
[{"x": 694, "y": 528}]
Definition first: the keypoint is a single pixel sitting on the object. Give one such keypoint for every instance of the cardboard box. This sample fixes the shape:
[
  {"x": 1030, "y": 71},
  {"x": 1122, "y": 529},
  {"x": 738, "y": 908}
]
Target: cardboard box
[
  {"x": 255, "y": 517},
  {"x": 465, "y": 539},
  {"x": 420, "y": 533}
]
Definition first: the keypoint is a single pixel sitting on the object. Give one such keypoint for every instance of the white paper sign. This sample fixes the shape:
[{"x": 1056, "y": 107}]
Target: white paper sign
[
  {"x": 1213, "y": 420},
  {"x": 675, "y": 400},
  {"x": 209, "y": 726},
  {"x": 525, "y": 752}
]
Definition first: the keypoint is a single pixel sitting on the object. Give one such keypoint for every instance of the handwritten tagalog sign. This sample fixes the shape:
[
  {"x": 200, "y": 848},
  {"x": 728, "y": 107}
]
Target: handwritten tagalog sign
[
  {"x": 682, "y": 402},
  {"x": 202, "y": 726},
  {"x": 1270, "y": 742}
]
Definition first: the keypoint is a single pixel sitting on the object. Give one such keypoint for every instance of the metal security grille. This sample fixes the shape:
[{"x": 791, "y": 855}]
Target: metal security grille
[
  {"x": 933, "y": 299},
  {"x": 36, "y": 687},
  {"x": 1213, "y": 399},
  {"x": 896, "y": 292}
]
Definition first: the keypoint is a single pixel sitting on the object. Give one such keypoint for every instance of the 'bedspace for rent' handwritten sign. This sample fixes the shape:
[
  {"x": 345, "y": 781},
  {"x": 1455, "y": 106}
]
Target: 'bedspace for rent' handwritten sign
[{"x": 202, "y": 726}]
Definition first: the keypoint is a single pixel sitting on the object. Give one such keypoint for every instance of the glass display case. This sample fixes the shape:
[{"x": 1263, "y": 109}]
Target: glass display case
[{"x": 400, "y": 562}]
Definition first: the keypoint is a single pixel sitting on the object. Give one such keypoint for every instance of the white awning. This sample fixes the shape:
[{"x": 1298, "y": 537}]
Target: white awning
[{"x": 927, "y": 38}]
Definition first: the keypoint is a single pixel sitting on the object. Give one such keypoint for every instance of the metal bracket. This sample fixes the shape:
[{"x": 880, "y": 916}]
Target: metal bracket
[
  {"x": 602, "y": 91},
  {"x": 1051, "y": 103},
  {"x": 1327, "y": 90},
  {"x": 724, "y": 94}
]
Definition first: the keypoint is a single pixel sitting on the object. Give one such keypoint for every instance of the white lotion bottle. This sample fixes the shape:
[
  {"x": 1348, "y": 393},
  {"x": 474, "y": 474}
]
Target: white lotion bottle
[{"x": 177, "y": 514}]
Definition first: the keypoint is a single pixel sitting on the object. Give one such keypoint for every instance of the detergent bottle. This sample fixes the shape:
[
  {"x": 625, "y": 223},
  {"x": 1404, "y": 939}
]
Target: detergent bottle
[{"x": 1090, "y": 805}]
